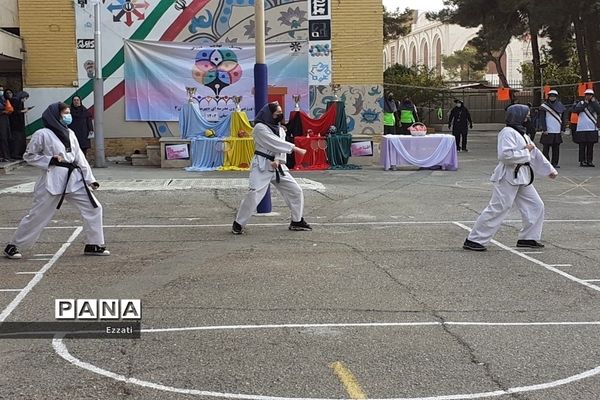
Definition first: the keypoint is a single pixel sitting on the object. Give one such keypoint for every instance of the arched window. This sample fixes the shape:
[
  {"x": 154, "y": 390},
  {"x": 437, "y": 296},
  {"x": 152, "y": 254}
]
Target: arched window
[
  {"x": 402, "y": 55},
  {"x": 413, "y": 55},
  {"x": 425, "y": 52},
  {"x": 438, "y": 55}
]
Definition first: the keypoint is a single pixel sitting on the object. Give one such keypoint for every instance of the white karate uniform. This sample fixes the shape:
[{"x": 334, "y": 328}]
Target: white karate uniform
[
  {"x": 509, "y": 190},
  {"x": 48, "y": 190},
  {"x": 262, "y": 174}
]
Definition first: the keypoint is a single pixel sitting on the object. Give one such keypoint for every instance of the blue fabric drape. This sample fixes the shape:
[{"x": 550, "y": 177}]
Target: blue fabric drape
[
  {"x": 207, "y": 154},
  {"x": 193, "y": 124}
]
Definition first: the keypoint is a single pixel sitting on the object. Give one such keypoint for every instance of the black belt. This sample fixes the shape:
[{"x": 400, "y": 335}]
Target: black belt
[
  {"x": 518, "y": 167},
  {"x": 72, "y": 167},
  {"x": 269, "y": 157}
]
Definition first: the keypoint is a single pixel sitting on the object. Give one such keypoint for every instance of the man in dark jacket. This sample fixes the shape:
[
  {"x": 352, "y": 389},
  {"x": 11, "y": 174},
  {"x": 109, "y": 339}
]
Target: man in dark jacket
[{"x": 460, "y": 121}]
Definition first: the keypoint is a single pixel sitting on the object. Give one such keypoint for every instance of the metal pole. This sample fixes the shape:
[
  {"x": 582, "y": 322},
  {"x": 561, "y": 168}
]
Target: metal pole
[
  {"x": 100, "y": 161},
  {"x": 542, "y": 84},
  {"x": 261, "y": 81}
]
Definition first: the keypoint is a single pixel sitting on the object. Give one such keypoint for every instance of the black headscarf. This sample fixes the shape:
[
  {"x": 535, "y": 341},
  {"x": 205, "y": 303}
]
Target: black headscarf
[
  {"x": 79, "y": 112},
  {"x": 53, "y": 121},
  {"x": 516, "y": 116},
  {"x": 265, "y": 116},
  {"x": 20, "y": 96},
  {"x": 389, "y": 105}
]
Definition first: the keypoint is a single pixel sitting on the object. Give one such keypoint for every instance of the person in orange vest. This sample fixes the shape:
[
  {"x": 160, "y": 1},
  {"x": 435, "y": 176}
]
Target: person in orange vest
[
  {"x": 586, "y": 134},
  {"x": 5, "y": 110}
]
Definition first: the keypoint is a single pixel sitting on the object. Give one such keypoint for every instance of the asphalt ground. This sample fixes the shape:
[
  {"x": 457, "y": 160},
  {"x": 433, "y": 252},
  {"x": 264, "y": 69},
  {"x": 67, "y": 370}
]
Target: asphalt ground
[{"x": 378, "y": 301}]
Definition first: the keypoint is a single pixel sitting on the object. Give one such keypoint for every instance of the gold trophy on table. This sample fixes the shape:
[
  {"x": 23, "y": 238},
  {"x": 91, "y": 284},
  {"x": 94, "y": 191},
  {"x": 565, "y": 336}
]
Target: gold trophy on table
[
  {"x": 191, "y": 92},
  {"x": 237, "y": 100},
  {"x": 335, "y": 87},
  {"x": 296, "y": 98}
]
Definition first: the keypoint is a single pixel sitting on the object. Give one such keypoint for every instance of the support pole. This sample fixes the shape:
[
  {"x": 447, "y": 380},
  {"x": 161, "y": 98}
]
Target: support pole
[
  {"x": 100, "y": 161},
  {"x": 261, "y": 82}
]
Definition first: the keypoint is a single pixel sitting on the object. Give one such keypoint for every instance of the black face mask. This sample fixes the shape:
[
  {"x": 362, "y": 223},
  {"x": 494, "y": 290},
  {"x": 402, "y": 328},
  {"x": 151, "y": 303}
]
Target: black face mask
[
  {"x": 278, "y": 118},
  {"x": 390, "y": 97}
]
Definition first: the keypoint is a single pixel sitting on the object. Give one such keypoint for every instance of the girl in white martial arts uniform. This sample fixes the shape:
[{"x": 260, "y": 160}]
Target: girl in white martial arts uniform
[
  {"x": 268, "y": 166},
  {"x": 513, "y": 177},
  {"x": 67, "y": 174}
]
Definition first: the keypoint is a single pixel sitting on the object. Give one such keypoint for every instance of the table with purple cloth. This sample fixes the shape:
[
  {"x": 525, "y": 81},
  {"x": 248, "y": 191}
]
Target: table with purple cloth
[{"x": 436, "y": 150}]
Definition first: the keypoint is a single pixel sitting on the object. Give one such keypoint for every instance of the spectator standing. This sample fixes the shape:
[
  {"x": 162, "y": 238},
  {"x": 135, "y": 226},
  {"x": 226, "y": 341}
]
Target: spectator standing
[
  {"x": 82, "y": 124},
  {"x": 586, "y": 134},
  {"x": 460, "y": 121},
  {"x": 552, "y": 121}
]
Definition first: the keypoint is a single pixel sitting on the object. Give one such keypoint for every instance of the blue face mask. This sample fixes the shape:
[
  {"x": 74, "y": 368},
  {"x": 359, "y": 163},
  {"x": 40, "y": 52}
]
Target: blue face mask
[
  {"x": 67, "y": 119},
  {"x": 1, "y": 93}
]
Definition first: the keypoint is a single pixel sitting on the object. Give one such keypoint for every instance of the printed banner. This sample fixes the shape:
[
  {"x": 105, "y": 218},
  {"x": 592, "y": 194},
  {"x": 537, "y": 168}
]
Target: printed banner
[
  {"x": 157, "y": 75},
  {"x": 319, "y": 35},
  {"x": 319, "y": 63}
]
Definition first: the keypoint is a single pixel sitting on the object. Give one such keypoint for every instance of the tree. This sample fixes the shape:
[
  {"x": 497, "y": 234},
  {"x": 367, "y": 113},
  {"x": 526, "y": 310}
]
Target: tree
[
  {"x": 396, "y": 23},
  {"x": 464, "y": 65},
  {"x": 497, "y": 24},
  {"x": 413, "y": 83},
  {"x": 555, "y": 73}
]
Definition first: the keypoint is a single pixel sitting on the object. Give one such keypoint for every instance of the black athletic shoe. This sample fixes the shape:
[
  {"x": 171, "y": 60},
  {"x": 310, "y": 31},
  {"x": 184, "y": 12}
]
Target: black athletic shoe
[
  {"x": 95, "y": 250},
  {"x": 12, "y": 252},
  {"x": 236, "y": 228},
  {"x": 300, "y": 226},
  {"x": 556, "y": 166},
  {"x": 474, "y": 246},
  {"x": 530, "y": 243},
  {"x": 465, "y": 150},
  {"x": 590, "y": 164}
]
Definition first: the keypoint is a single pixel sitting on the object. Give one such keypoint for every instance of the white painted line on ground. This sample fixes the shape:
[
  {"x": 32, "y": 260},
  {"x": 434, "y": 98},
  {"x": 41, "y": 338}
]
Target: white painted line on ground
[
  {"x": 372, "y": 223},
  {"x": 366, "y": 325},
  {"x": 132, "y": 185},
  {"x": 538, "y": 262},
  {"x": 47, "y": 255},
  {"x": 561, "y": 265},
  {"x": 38, "y": 277},
  {"x": 39, "y": 259},
  {"x": 27, "y": 273},
  {"x": 10, "y": 290},
  {"x": 61, "y": 349},
  {"x": 531, "y": 252}
]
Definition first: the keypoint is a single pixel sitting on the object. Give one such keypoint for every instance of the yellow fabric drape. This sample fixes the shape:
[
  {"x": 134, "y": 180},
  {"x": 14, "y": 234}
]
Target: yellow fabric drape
[
  {"x": 239, "y": 121},
  {"x": 238, "y": 151}
]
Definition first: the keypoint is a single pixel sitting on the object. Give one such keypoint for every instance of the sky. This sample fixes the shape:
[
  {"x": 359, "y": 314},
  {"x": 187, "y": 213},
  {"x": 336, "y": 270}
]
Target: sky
[{"x": 423, "y": 5}]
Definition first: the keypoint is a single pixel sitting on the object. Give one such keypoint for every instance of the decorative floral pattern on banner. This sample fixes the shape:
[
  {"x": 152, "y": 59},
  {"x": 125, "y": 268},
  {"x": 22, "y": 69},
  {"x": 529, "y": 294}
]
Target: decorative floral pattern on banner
[
  {"x": 158, "y": 73},
  {"x": 363, "y": 111}
]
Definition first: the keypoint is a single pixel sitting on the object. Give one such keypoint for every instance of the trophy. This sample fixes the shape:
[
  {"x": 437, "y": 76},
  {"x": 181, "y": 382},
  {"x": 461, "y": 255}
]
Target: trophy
[
  {"x": 237, "y": 100},
  {"x": 191, "y": 92},
  {"x": 296, "y": 98},
  {"x": 336, "y": 88}
]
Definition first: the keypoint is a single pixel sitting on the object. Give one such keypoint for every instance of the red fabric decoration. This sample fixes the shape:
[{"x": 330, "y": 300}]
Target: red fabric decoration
[
  {"x": 547, "y": 88},
  {"x": 315, "y": 157},
  {"x": 321, "y": 125},
  {"x": 503, "y": 94}
]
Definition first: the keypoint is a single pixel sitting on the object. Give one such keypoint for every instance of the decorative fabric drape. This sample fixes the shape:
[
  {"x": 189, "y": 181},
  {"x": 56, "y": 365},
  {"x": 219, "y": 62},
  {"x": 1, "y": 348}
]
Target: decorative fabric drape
[
  {"x": 424, "y": 151},
  {"x": 193, "y": 124}
]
